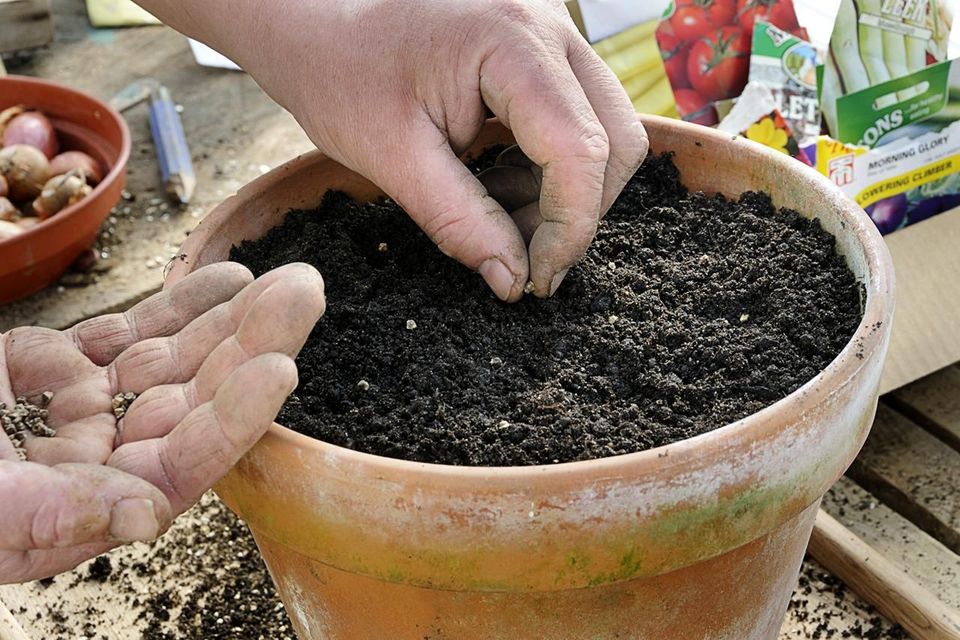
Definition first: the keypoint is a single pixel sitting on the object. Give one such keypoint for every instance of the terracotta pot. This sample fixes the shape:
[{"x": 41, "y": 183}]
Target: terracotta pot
[
  {"x": 700, "y": 539},
  {"x": 37, "y": 257}
]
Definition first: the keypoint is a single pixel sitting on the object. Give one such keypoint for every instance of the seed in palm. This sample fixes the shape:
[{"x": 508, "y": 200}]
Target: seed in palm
[
  {"x": 122, "y": 402},
  {"x": 26, "y": 417}
]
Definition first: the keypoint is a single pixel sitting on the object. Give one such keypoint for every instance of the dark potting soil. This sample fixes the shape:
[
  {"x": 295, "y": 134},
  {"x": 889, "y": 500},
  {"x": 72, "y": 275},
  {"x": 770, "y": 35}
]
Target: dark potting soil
[{"x": 688, "y": 312}]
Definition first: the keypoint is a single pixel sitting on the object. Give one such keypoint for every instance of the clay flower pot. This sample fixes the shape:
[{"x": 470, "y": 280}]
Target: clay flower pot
[
  {"x": 699, "y": 539},
  {"x": 39, "y": 256}
]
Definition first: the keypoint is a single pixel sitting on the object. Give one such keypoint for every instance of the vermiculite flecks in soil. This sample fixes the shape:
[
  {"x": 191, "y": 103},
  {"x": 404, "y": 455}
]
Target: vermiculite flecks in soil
[{"x": 686, "y": 314}]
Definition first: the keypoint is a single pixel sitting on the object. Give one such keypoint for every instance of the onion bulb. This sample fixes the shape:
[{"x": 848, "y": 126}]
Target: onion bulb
[
  {"x": 9, "y": 230},
  {"x": 26, "y": 170},
  {"x": 28, "y": 223},
  {"x": 8, "y": 212},
  {"x": 69, "y": 160},
  {"x": 32, "y": 128},
  {"x": 59, "y": 193},
  {"x": 9, "y": 114}
]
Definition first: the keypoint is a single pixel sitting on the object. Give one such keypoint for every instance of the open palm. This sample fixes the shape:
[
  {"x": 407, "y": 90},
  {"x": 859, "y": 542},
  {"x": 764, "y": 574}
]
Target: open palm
[{"x": 211, "y": 360}]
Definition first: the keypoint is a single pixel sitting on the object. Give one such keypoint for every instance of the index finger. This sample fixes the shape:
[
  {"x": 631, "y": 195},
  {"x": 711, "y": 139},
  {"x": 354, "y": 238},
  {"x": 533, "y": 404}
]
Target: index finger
[
  {"x": 105, "y": 337},
  {"x": 538, "y": 97}
]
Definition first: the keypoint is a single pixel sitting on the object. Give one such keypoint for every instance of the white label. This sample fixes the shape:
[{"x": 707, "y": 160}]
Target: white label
[
  {"x": 904, "y": 29},
  {"x": 605, "y": 18}
]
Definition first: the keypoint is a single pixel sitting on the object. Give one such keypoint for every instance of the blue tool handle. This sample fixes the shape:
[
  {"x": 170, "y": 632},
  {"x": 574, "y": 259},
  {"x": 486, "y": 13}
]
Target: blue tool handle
[{"x": 176, "y": 168}]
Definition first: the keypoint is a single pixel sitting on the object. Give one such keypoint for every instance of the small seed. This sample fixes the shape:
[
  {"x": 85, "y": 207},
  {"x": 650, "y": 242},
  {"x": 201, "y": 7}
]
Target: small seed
[
  {"x": 744, "y": 317},
  {"x": 496, "y": 362},
  {"x": 363, "y": 385},
  {"x": 411, "y": 325},
  {"x": 382, "y": 247},
  {"x": 503, "y": 424},
  {"x": 530, "y": 288}
]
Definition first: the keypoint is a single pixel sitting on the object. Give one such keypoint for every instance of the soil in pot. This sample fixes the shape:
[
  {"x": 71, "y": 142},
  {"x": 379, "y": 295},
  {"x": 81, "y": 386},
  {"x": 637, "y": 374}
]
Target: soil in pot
[{"x": 688, "y": 312}]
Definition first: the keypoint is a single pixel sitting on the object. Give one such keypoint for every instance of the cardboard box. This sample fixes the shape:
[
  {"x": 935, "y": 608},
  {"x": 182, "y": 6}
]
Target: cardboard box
[
  {"x": 25, "y": 24},
  {"x": 926, "y": 327}
]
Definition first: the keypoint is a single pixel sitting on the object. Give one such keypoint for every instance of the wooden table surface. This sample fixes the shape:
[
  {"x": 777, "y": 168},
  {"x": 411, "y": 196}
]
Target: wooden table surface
[{"x": 901, "y": 496}]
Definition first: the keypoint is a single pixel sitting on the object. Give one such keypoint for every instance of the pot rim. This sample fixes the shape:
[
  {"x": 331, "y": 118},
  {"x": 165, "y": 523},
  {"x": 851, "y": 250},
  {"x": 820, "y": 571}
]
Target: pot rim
[
  {"x": 123, "y": 155},
  {"x": 863, "y": 346}
]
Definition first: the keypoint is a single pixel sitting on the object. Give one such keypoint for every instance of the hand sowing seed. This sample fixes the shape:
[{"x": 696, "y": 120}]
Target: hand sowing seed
[{"x": 209, "y": 363}]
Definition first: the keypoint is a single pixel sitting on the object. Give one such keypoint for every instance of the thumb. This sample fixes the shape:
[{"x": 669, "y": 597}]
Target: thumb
[
  {"x": 451, "y": 206},
  {"x": 74, "y": 504}
]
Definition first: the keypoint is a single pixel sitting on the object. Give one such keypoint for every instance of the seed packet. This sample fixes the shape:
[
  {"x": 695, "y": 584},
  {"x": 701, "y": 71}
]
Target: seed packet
[
  {"x": 757, "y": 117},
  {"x": 706, "y": 48},
  {"x": 876, "y": 41},
  {"x": 787, "y": 66},
  {"x": 634, "y": 57},
  {"x": 901, "y": 161},
  {"x": 901, "y": 183}
]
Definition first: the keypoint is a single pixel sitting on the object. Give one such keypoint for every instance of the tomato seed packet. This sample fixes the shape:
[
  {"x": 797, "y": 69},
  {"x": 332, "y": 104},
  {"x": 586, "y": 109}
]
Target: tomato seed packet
[{"x": 706, "y": 46}]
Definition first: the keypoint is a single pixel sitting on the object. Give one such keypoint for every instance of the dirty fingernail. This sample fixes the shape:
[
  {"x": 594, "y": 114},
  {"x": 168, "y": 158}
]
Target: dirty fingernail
[
  {"x": 557, "y": 281},
  {"x": 498, "y": 277},
  {"x": 134, "y": 520}
]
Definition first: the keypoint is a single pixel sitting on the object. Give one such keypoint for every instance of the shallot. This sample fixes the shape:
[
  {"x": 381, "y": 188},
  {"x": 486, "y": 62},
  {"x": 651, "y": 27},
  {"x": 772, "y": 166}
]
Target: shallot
[
  {"x": 69, "y": 160},
  {"x": 9, "y": 114},
  {"x": 32, "y": 128},
  {"x": 8, "y": 212},
  {"x": 28, "y": 223},
  {"x": 26, "y": 170},
  {"x": 59, "y": 193}
]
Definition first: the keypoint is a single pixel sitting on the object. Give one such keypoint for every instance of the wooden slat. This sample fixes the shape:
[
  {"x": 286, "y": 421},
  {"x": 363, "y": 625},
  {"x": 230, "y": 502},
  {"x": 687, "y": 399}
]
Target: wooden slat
[
  {"x": 24, "y": 24},
  {"x": 914, "y": 473},
  {"x": 881, "y": 583},
  {"x": 823, "y": 607},
  {"x": 913, "y": 551},
  {"x": 934, "y": 404}
]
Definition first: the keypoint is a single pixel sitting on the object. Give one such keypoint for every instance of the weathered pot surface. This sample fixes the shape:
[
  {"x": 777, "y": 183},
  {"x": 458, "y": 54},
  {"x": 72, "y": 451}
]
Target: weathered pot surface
[{"x": 699, "y": 539}]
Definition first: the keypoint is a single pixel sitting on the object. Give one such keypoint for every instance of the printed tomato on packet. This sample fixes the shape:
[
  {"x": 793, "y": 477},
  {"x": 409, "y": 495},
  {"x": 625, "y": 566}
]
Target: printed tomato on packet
[{"x": 706, "y": 45}]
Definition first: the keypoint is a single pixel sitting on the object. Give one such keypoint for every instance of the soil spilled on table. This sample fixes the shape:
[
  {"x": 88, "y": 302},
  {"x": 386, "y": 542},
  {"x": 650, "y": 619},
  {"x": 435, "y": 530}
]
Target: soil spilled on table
[{"x": 687, "y": 313}]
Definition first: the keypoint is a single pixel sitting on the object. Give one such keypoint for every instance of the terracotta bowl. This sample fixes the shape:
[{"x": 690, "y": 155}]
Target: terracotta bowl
[
  {"x": 699, "y": 539},
  {"x": 36, "y": 258}
]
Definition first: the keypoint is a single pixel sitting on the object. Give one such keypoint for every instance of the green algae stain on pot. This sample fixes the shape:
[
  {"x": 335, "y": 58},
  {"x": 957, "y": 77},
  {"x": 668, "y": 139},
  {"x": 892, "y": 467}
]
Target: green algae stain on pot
[
  {"x": 714, "y": 527},
  {"x": 630, "y": 566},
  {"x": 701, "y": 531}
]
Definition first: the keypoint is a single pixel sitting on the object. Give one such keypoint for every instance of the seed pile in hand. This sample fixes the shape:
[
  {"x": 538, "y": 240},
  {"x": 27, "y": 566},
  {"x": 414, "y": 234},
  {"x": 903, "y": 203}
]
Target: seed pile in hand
[
  {"x": 26, "y": 418},
  {"x": 687, "y": 313},
  {"x": 121, "y": 403}
]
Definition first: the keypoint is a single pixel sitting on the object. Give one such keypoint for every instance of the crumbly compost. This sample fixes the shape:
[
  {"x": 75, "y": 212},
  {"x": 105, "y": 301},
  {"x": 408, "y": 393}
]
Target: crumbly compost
[{"x": 688, "y": 313}]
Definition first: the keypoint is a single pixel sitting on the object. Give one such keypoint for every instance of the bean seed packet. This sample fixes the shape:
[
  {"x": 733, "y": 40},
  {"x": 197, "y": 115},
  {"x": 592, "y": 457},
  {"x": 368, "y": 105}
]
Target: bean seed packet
[{"x": 876, "y": 41}]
